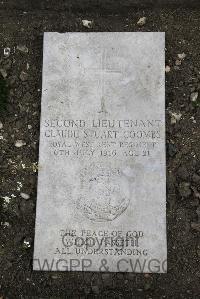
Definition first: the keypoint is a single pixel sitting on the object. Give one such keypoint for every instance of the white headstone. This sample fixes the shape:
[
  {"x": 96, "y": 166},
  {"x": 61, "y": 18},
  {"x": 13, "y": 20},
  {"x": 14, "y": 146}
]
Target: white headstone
[{"x": 101, "y": 182}]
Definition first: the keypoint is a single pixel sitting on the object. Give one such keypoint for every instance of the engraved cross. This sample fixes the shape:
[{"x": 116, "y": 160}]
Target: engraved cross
[{"x": 104, "y": 71}]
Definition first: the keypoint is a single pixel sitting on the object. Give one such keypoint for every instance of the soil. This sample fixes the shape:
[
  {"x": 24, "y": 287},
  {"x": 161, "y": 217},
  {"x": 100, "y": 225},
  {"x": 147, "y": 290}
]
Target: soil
[{"x": 22, "y": 26}]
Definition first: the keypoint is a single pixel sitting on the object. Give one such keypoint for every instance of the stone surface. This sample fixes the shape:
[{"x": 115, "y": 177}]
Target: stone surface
[{"x": 101, "y": 185}]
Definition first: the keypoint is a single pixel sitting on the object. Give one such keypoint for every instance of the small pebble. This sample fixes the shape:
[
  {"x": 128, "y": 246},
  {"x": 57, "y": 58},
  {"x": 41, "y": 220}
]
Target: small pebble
[
  {"x": 6, "y": 201},
  {"x": 178, "y": 62},
  {"x": 1, "y": 125},
  {"x": 24, "y": 195},
  {"x": 23, "y": 165},
  {"x": 22, "y": 48},
  {"x": 19, "y": 186},
  {"x": 20, "y": 143},
  {"x": 87, "y": 23},
  {"x": 54, "y": 276},
  {"x": 194, "y": 96},
  {"x": 3, "y": 73},
  {"x": 175, "y": 117},
  {"x": 29, "y": 127},
  {"x": 27, "y": 244},
  {"x": 5, "y": 224},
  {"x": 142, "y": 21},
  {"x": 6, "y": 52},
  {"x": 181, "y": 56},
  {"x": 23, "y": 76},
  {"x": 193, "y": 120},
  {"x": 167, "y": 69}
]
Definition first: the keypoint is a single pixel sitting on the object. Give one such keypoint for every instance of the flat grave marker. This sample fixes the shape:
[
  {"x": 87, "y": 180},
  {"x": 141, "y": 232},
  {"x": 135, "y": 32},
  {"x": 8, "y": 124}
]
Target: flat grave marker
[{"x": 101, "y": 182}]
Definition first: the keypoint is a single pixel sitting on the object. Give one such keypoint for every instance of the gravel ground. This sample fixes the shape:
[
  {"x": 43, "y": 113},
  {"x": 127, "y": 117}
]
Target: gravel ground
[{"x": 21, "y": 35}]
